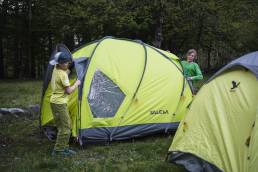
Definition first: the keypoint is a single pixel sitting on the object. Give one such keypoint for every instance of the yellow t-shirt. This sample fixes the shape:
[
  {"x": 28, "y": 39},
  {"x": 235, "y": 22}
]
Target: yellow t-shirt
[{"x": 59, "y": 81}]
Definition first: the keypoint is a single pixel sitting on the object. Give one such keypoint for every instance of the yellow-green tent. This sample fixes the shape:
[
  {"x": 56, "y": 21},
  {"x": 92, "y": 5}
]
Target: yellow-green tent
[
  {"x": 220, "y": 130},
  {"x": 129, "y": 89}
]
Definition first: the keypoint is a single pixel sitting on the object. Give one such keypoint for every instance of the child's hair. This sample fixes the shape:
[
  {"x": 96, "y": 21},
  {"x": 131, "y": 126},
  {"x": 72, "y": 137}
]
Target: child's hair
[{"x": 191, "y": 51}]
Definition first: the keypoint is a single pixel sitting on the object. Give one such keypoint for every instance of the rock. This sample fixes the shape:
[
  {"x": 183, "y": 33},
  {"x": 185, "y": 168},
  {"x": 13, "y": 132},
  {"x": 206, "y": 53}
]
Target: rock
[
  {"x": 31, "y": 111},
  {"x": 16, "y": 110},
  {"x": 4, "y": 111},
  {"x": 34, "y": 110},
  {"x": 5, "y": 114}
]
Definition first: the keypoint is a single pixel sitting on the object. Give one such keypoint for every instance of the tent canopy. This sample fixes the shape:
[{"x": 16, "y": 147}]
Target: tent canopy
[
  {"x": 129, "y": 89},
  {"x": 219, "y": 132},
  {"x": 248, "y": 61}
]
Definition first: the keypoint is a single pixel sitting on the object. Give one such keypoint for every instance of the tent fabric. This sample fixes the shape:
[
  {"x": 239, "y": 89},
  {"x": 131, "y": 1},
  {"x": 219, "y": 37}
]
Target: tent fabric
[
  {"x": 191, "y": 162},
  {"x": 253, "y": 144},
  {"x": 249, "y": 61},
  {"x": 220, "y": 126},
  {"x": 62, "y": 48},
  {"x": 125, "y": 83},
  {"x": 80, "y": 67},
  {"x": 107, "y": 134}
]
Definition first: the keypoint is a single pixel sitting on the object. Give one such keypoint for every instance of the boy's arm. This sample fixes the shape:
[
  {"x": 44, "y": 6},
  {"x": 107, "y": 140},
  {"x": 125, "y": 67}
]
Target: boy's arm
[
  {"x": 71, "y": 89},
  {"x": 198, "y": 73},
  {"x": 65, "y": 81}
]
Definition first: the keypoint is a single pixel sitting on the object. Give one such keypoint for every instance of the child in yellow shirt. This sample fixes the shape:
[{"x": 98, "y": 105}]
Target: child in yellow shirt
[{"x": 60, "y": 89}]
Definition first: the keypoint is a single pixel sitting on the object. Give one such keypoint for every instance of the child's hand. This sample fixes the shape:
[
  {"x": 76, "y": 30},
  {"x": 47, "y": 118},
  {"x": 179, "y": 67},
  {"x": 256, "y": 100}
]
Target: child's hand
[
  {"x": 78, "y": 82},
  {"x": 189, "y": 78}
]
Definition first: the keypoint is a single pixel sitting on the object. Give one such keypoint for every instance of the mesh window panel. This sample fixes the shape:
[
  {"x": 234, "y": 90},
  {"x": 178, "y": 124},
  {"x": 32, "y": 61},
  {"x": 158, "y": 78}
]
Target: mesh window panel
[{"x": 105, "y": 97}]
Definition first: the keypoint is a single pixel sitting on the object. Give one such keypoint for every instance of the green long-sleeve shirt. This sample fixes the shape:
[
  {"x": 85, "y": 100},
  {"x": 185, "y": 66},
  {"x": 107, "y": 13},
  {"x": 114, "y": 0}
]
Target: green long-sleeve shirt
[{"x": 192, "y": 70}]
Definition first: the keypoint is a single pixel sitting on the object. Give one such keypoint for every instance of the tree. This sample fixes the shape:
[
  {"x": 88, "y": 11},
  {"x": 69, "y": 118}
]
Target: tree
[{"x": 219, "y": 30}]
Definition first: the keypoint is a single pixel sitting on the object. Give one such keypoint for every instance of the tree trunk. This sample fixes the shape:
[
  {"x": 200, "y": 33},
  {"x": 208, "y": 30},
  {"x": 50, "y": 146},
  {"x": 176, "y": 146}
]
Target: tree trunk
[
  {"x": 209, "y": 57},
  {"x": 69, "y": 41},
  {"x": 1, "y": 58},
  {"x": 158, "y": 32},
  {"x": 50, "y": 44},
  {"x": 199, "y": 35},
  {"x": 39, "y": 63},
  {"x": 30, "y": 57},
  {"x": 200, "y": 30},
  {"x": 33, "y": 65},
  {"x": 16, "y": 60},
  {"x": 26, "y": 70},
  {"x": 2, "y": 24}
]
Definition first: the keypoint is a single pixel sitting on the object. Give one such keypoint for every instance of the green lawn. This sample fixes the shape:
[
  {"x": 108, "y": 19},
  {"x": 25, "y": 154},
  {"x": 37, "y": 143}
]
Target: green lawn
[
  {"x": 19, "y": 93},
  {"x": 23, "y": 148}
]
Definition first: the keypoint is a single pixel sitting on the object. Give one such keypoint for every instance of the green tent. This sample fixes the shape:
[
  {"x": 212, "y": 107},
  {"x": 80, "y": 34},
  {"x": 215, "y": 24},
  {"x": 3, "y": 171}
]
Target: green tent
[
  {"x": 130, "y": 89},
  {"x": 220, "y": 131}
]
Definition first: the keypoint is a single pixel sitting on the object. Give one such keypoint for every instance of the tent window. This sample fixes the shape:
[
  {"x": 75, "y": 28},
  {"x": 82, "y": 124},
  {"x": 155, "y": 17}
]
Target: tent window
[{"x": 105, "y": 97}]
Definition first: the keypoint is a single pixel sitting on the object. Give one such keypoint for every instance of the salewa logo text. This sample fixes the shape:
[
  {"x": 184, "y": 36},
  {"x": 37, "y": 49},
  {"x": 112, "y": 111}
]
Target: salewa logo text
[{"x": 159, "y": 112}]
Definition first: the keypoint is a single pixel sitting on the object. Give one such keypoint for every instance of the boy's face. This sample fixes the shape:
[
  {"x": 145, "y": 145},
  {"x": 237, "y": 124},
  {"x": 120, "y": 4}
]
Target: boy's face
[
  {"x": 64, "y": 66},
  {"x": 190, "y": 57}
]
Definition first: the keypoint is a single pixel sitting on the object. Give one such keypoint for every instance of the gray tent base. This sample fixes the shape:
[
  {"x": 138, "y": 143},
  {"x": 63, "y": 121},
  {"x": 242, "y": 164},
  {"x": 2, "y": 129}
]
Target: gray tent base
[
  {"x": 50, "y": 132},
  {"x": 191, "y": 162},
  {"x": 107, "y": 134}
]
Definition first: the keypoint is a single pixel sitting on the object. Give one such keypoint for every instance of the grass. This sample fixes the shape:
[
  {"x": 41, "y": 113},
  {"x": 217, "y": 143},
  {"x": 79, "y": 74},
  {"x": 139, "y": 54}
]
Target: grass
[
  {"x": 19, "y": 93},
  {"x": 24, "y": 149}
]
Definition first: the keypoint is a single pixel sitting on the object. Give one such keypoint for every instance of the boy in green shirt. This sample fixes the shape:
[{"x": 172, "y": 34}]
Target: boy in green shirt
[
  {"x": 60, "y": 89},
  {"x": 191, "y": 69}
]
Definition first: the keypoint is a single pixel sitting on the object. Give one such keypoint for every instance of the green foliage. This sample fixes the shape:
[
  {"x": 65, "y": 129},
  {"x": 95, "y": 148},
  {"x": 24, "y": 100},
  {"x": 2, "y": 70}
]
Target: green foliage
[{"x": 219, "y": 29}]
